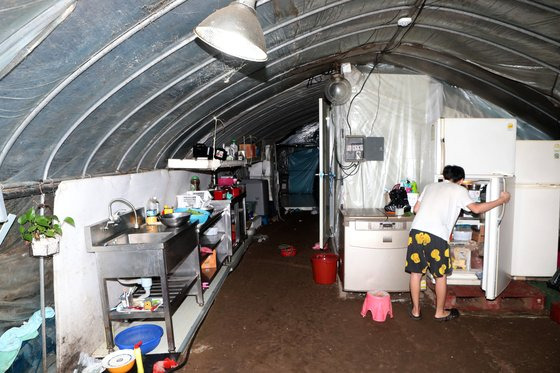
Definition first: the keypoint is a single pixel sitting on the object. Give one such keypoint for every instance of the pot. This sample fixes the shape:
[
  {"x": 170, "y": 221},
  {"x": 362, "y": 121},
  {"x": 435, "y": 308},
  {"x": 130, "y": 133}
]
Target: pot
[
  {"x": 219, "y": 194},
  {"x": 235, "y": 191}
]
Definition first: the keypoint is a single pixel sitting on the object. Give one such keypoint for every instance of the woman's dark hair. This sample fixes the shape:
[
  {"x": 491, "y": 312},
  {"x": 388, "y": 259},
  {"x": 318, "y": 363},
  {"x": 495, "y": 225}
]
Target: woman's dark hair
[{"x": 453, "y": 173}]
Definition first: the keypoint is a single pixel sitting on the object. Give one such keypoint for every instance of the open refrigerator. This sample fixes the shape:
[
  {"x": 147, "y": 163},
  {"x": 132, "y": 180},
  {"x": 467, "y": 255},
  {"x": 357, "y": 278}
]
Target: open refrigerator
[{"x": 485, "y": 148}]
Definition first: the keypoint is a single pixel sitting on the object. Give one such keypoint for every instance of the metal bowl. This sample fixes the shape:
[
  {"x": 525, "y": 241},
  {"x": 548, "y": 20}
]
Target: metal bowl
[{"x": 175, "y": 219}]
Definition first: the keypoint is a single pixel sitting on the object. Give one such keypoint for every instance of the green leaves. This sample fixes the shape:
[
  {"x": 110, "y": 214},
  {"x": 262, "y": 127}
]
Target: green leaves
[{"x": 33, "y": 225}]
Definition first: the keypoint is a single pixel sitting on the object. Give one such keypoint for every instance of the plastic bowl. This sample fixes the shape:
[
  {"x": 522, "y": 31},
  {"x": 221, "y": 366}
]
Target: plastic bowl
[
  {"x": 175, "y": 219},
  {"x": 149, "y": 334},
  {"x": 287, "y": 250},
  {"x": 120, "y": 361}
]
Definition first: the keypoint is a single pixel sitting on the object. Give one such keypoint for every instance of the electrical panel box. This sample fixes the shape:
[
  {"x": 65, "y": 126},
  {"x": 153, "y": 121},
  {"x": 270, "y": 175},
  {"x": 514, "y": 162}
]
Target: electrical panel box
[
  {"x": 354, "y": 148},
  {"x": 374, "y": 148},
  {"x": 360, "y": 148}
]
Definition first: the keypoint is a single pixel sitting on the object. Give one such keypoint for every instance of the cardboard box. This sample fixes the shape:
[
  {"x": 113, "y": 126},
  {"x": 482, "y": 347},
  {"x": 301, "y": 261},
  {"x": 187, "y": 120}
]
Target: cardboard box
[
  {"x": 478, "y": 234},
  {"x": 209, "y": 261}
]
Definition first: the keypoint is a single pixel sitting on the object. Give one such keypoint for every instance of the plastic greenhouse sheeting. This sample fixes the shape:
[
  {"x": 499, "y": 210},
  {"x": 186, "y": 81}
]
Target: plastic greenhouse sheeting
[
  {"x": 302, "y": 166},
  {"x": 401, "y": 108}
]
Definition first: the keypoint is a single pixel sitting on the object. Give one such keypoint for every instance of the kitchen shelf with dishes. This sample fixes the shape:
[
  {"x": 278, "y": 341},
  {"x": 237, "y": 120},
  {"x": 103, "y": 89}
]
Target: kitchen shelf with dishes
[
  {"x": 213, "y": 245},
  {"x": 168, "y": 256},
  {"x": 236, "y": 221},
  {"x": 180, "y": 262}
]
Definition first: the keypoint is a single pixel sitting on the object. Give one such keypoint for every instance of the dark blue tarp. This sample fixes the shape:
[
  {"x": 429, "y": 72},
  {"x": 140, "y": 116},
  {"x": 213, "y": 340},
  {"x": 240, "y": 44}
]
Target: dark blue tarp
[{"x": 302, "y": 166}]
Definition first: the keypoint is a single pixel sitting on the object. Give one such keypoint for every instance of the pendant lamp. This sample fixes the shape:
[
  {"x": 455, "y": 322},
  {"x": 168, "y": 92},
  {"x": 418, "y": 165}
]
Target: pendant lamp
[
  {"x": 338, "y": 90},
  {"x": 235, "y": 30}
]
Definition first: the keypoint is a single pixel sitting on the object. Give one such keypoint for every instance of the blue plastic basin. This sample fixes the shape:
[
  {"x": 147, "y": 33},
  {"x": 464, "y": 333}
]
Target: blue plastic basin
[{"x": 149, "y": 334}]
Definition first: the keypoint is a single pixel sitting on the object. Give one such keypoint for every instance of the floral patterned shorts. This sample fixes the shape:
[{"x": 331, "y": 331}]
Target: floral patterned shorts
[{"x": 425, "y": 251}]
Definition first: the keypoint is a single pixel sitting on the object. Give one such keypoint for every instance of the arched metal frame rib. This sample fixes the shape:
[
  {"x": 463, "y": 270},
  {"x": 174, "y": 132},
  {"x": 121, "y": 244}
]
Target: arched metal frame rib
[
  {"x": 296, "y": 19},
  {"x": 527, "y": 32},
  {"x": 175, "y": 48},
  {"x": 141, "y": 25},
  {"x": 237, "y": 101},
  {"x": 96, "y": 57}
]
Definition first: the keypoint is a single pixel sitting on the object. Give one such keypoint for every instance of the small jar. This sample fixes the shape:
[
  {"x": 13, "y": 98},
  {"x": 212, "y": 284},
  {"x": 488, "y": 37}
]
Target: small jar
[{"x": 195, "y": 183}]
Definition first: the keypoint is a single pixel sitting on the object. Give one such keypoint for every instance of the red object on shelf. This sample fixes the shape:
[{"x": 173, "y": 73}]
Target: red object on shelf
[
  {"x": 226, "y": 181},
  {"x": 235, "y": 191},
  {"x": 219, "y": 194},
  {"x": 233, "y": 233}
]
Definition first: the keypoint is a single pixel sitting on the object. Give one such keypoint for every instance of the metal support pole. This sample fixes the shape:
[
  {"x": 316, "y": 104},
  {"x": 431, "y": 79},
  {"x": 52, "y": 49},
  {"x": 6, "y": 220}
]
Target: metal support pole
[
  {"x": 43, "y": 324},
  {"x": 42, "y": 296}
]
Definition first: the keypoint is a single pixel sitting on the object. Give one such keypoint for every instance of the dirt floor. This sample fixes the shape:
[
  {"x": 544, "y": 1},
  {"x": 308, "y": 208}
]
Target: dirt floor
[{"x": 270, "y": 316}]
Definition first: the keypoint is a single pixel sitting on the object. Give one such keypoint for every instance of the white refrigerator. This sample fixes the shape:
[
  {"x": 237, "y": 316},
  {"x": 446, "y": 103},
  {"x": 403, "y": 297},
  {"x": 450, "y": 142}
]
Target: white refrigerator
[
  {"x": 537, "y": 208},
  {"x": 485, "y": 148}
]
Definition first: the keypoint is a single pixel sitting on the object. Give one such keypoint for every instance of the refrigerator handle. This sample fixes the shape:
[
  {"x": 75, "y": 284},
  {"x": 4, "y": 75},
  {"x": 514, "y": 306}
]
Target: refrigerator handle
[
  {"x": 441, "y": 141},
  {"x": 503, "y": 212}
]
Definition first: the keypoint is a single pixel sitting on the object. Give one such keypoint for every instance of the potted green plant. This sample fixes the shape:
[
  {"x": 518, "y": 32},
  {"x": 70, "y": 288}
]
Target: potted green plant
[{"x": 42, "y": 231}]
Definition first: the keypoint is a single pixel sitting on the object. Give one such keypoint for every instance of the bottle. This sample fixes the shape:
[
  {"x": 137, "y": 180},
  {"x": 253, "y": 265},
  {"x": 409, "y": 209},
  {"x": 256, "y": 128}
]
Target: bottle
[
  {"x": 195, "y": 183},
  {"x": 167, "y": 209},
  {"x": 233, "y": 148},
  {"x": 152, "y": 210}
]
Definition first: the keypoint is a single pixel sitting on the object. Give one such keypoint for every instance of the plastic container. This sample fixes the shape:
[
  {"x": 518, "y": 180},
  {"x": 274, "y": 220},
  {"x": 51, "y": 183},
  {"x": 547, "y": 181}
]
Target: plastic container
[
  {"x": 152, "y": 211},
  {"x": 233, "y": 148},
  {"x": 219, "y": 194},
  {"x": 324, "y": 268},
  {"x": 120, "y": 361},
  {"x": 287, "y": 250},
  {"x": 462, "y": 234},
  {"x": 149, "y": 334}
]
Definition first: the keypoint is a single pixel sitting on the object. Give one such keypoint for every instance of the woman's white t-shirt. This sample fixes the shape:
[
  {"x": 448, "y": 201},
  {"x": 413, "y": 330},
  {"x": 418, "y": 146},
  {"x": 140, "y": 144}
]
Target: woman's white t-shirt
[{"x": 440, "y": 205}]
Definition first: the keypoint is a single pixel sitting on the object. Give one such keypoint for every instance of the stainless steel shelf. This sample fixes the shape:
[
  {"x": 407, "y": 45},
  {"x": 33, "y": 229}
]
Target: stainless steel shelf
[{"x": 203, "y": 164}]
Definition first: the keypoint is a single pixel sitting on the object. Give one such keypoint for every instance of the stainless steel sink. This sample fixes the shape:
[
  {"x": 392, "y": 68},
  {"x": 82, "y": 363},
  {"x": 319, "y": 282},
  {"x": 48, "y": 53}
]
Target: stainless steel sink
[{"x": 138, "y": 238}]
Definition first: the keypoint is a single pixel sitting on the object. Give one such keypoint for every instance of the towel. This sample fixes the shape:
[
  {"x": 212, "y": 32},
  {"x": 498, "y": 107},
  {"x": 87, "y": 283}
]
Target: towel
[{"x": 11, "y": 340}]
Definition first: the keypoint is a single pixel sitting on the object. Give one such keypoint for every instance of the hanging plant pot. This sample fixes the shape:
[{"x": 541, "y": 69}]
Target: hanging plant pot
[{"x": 45, "y": 246}]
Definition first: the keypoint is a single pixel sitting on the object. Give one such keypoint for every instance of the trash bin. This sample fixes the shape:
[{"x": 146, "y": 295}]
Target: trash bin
[{"x": 324, "y": 268}]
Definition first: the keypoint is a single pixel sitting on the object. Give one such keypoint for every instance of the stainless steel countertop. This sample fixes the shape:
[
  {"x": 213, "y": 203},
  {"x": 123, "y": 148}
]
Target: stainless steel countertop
[{"x": 373, "y": 214}]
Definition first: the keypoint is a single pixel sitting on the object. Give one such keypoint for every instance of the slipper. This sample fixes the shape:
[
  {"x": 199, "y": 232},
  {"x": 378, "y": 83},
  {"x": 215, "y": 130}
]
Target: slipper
[
  {"x": 411, "y": 315},
  {"x": 453, "y": 314}
]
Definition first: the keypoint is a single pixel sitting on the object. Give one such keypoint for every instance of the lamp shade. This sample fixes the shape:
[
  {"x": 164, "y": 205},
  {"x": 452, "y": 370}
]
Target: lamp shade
[
  {"x": 338, "y": 90},
  {"x": 235, "y": 30}
]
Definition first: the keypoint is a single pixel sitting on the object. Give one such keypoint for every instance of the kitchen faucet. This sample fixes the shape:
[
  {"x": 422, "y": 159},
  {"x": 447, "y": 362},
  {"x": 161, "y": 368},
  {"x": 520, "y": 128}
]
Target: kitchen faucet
[{"x": 115, "y": 219}]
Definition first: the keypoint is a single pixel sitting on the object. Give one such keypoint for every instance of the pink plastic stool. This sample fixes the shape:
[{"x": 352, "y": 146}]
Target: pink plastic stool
[{"x": 378, "y": 302}]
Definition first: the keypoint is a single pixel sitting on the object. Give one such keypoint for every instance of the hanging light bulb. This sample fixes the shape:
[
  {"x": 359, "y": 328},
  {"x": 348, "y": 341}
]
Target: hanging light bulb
[
  {"x": 338, "y": 90},
  {"x": 235, "y": 30}
]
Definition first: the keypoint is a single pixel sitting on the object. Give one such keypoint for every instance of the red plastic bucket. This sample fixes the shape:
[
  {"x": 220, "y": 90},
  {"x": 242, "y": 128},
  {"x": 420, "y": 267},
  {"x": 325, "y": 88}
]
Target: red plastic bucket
[{"x": 324, "y": 268}]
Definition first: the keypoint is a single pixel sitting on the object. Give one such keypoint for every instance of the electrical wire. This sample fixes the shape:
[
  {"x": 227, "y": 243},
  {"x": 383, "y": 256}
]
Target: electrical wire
[
  {"x": 387, "y": 49},
  {"x": 354, "y": 167}
]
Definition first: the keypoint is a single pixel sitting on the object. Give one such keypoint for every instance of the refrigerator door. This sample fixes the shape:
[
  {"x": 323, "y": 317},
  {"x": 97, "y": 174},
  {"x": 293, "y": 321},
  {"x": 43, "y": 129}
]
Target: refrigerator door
[
  {"x": 480, "y": 145},
  {"x": 537, "y": 162},
  {"x": 499, "y": 241}
]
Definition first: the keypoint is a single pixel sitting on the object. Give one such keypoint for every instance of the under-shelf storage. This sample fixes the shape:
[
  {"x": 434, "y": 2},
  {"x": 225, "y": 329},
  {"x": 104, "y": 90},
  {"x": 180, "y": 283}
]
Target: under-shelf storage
[{"x": 174, "y": 266}]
